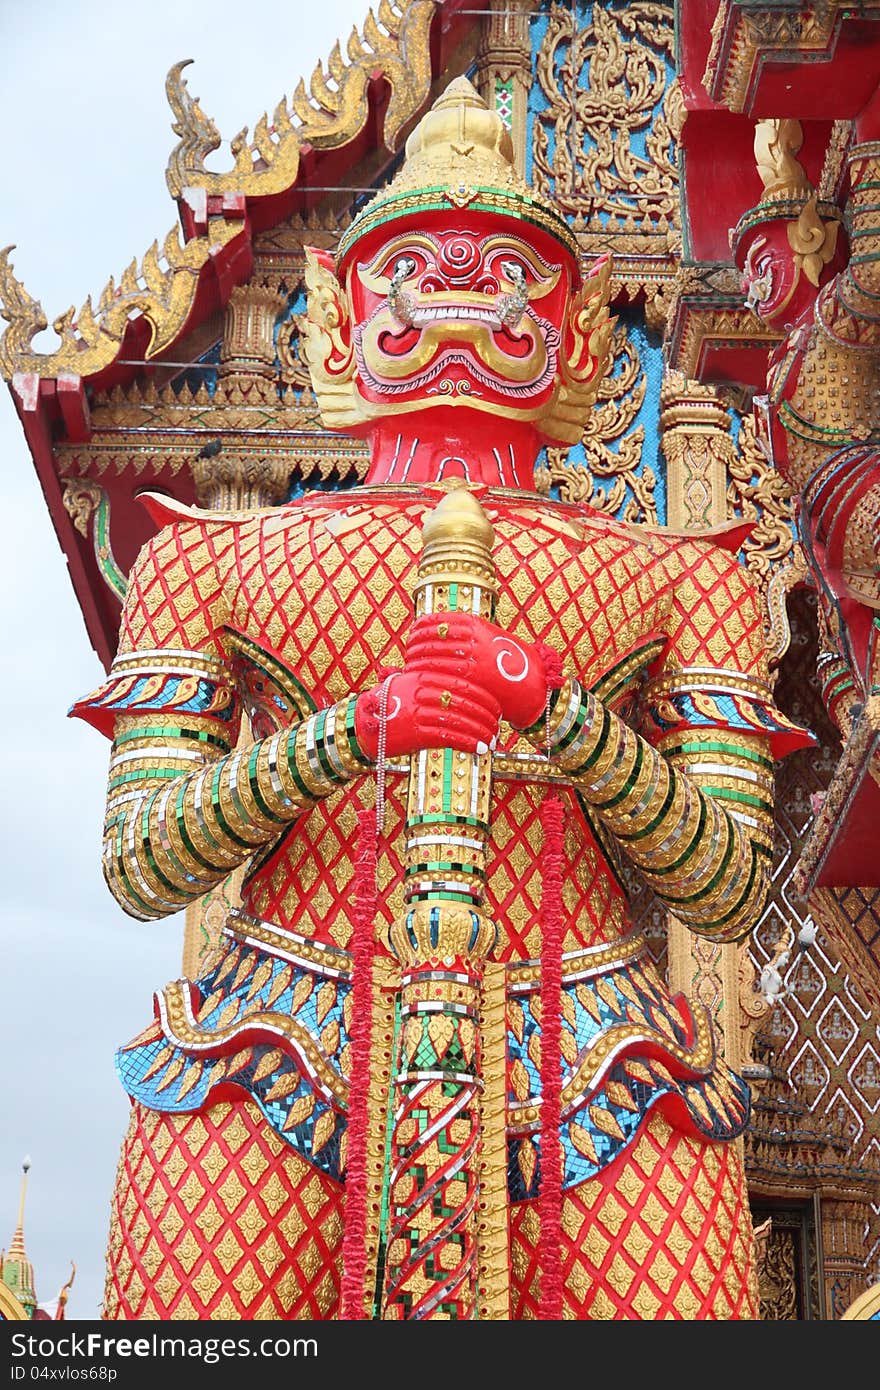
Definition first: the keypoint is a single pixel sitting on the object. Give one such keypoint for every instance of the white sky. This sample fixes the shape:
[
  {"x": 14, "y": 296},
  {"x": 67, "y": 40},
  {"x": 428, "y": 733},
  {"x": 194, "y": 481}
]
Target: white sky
[{"x": 86, "y": 134}]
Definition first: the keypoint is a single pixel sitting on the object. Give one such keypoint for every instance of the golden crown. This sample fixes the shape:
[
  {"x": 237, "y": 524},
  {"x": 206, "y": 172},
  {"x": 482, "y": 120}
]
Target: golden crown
[
  {"x": 788, "y": 193},
  {"x": 460, "y": 155}
]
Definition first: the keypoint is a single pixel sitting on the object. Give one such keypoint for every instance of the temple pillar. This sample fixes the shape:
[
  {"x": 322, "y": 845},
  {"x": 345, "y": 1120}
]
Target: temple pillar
[
  {"x": 504, "y": 68},
  {"x": 249, "y": 331},
  {"x": 696, "y": 442},
  {"x": 237, "y": 481},
  {"x": 234, "y": 482},
  {"x": 843, "y": 1219}
]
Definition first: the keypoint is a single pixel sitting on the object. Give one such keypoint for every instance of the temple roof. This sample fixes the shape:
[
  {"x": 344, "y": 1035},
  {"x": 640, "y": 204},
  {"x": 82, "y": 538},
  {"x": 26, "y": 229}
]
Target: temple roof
[{"x": 356, "y": 108}]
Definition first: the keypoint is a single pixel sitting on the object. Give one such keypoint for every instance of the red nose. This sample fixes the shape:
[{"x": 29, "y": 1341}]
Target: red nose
[{"x": 432, "y": 282}]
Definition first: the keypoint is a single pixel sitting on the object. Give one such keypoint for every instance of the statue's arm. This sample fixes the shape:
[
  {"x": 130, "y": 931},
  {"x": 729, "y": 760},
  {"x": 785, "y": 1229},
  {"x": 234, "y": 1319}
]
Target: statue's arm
[
  {"x": 690, "y": 798},
  {"x": 708, "y": 866},
  {"x": 179, "y": 817},
  {"x": 184, "y": 805}
]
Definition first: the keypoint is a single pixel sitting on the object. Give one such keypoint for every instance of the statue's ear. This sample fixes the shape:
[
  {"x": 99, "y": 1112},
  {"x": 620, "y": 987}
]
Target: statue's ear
[
  {"x": 327, "y": 345},
  {"x": 327, "y": 304},
  {"x": 585, "y": 355}
]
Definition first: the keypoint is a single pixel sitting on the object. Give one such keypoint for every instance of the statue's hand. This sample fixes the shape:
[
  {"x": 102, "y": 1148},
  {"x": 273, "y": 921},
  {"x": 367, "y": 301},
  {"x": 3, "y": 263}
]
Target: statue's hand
[
  {"x": 486, "y": 658},
  {"x": 426, "y": 709},
  {"x": 461, "y": 676}
]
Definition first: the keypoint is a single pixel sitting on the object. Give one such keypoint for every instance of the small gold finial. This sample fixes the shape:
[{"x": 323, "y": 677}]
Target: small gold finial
[
  {"x": 457, "y": 539},
  {"x": 458, "y": 516}
]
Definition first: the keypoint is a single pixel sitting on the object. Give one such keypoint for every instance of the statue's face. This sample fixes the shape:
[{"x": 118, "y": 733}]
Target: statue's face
[
  {"x": 473, "y": 311},
  {"x": 769, "y": 274},
  {"x": 470, "y": 313},
  {"x": 784, "y": 261}
]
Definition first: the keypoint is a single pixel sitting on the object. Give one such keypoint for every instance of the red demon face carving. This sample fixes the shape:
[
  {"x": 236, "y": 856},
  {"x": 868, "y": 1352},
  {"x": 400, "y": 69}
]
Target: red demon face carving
[{"x": 462, "y": 311}]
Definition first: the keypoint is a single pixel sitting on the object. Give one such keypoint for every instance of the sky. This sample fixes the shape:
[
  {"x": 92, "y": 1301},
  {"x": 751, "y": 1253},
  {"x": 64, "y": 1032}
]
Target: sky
[{"x": 86, "y": 135}]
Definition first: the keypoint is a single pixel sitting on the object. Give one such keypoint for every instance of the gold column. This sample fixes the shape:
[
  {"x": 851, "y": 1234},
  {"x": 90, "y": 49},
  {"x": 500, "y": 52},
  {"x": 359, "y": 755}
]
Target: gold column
[
  {"x": 236, "y": 480},
  {"x": 248, "y": 331},
  {"x": 695, "y": 436},
  {"x": 504, "y": 68}
]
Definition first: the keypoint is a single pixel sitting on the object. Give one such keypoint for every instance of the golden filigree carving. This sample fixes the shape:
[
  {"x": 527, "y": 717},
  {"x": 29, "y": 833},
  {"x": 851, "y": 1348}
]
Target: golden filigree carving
[
  {"x": 22, "y": 313},
  {"x": 605, "y": 83},
  {"x": 778, "y": 1278},
  {"x": 294, "y": 371},
  {"x": 88, "y": 506},
  {"x": 504, "y": 68},
  {"x": 162, "y": 289},
  {"x": 288, "y": 239},
  {"x": 148, "y": 454},
  {"x": 610, "y": 423},
  {"x": 784, "y": 578},
  {"x": 758, "y": 493},
  {"x": 709, "y": 478},
  {"x": 198, "y": 134},
  {"x": 327, "y": 115},
  {"x": 81, "y": 499},
  {"x": 258, "y": 405}
]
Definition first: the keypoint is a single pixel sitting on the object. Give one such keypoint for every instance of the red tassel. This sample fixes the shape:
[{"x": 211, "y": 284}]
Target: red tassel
[
  {"x": 354, "y": 1248},
  {"x": 550, "y": 1197},
  {"x": 552, "y": 666}
]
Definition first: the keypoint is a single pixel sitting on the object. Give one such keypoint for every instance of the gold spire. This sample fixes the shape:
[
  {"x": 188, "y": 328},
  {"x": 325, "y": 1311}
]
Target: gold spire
[
  {"x": 459, "y": 141},
  {"x": 459, "y": 155},
  {"x": 16, "y": 1270}
]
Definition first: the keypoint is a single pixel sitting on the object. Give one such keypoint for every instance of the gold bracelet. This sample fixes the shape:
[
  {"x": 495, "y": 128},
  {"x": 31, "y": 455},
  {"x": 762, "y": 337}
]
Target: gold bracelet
[{"x": 343, "y": 713}]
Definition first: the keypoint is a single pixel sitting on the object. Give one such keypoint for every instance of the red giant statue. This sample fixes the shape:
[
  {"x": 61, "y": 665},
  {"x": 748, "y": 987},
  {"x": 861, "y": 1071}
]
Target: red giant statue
[
  {"x": 820, "y": 417},
  {"x": 433, "y": 1071}
]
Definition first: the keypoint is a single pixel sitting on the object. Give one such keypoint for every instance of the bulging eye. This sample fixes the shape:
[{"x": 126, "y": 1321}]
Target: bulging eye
[
  {"x": 393, "y": 266},
  {"x": 515, "y": 272},
  {"x": 403, "y": 268},
  {"x": 520, "y": 269}
]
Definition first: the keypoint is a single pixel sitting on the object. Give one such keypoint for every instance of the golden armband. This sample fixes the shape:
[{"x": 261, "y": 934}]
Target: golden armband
[
  {"x": 167, "y": 845},
  {"x": 694, "y": 849}
]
